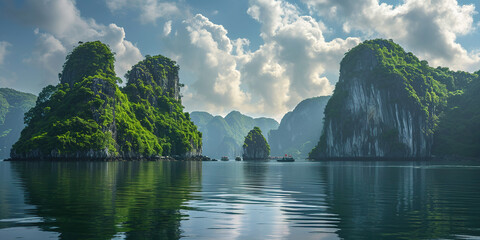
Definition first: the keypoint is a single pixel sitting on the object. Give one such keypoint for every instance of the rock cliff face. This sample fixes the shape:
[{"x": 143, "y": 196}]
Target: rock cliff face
[
  {"x": 87, "y": 116},
  {"x": 299, "y": 129},
  {"x": 255, "y": 146},
  {"x": 375, "y": 125},
  {"x": 386, "y": 104},
  {"x": 225, "y": 136}
]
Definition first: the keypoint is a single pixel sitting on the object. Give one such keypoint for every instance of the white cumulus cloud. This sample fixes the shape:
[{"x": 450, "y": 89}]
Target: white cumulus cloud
[
  {"x": 428, "y": 28},
  {"x": 49, "y": 55},
  {"x": 204, "y": 48},
  {"x": 153, "y": 9},
  {"x": 167, "y": 28},
  {"x": 115, "y": 5},
  {"x": 61, "y": 27},
  {"x": 150, "y": 10},
  {"x": 292, "y": 63}
]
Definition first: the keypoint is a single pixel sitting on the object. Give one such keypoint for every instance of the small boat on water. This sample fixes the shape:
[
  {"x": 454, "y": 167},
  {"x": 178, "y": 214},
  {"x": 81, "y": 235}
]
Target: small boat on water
[
  {"x": 286, "y": 159},
  {"x": 224, "y": 158},
  {"x": 237, "y": 158}
]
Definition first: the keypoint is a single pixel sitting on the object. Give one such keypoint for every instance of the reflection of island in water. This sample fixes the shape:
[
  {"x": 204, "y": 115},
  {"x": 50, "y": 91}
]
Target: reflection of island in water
[
  {"x": 254, "y": 172},
  {"x": 384, "y": 200},
  {"x": 94, "y": 200}
]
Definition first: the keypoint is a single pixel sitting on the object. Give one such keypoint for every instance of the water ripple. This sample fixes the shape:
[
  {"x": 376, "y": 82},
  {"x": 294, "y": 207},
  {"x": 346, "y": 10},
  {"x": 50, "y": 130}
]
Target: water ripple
[{"x": 240, "y": 200}]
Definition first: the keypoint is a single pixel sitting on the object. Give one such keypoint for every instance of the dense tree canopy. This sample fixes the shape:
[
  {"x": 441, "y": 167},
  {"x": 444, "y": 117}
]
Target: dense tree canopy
[
  {"x": 88, "y": 115},
  {"x": 255, "y": 145}
]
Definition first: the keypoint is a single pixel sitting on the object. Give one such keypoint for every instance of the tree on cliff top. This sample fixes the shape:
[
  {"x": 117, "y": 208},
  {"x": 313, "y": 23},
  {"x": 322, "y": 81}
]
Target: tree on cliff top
[
  {"x": 88, "y": 59},
  {"x": 255, "y": 145}
]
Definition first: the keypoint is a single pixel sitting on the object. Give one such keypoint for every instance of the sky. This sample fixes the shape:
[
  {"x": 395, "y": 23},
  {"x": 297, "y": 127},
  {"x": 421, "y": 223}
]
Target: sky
[{"x": 261, "y": 57}]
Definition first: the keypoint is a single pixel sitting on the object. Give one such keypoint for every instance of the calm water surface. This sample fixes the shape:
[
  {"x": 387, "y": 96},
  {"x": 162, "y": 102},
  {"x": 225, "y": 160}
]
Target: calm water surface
[{"x": 239, "y": 200}]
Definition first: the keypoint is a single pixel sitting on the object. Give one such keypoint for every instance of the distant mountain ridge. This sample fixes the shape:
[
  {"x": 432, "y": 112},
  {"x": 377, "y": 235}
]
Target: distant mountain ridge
[
  {"x": 299, "y": 129},
  {"x": 13, "y": 105},
  {"x": 225, "y": 136}
]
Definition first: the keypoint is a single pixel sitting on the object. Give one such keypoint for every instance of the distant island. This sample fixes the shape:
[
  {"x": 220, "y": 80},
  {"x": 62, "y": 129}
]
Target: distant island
[
  {"x": 296, "y": 135},
  {"x": 225, "y": 136},
  {"x": 389, "y": 104},
  {"x": 88, "y": 116},
  {"x": 255, "y": 146}
]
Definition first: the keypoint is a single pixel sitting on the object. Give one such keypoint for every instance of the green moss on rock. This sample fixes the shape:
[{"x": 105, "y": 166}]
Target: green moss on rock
[
  {"x": 255, "y": 145},
  {"x": 88, "y": 116}
]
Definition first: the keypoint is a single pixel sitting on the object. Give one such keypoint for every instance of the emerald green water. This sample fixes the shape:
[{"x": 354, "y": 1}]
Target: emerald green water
[{"x": 239, "y": 200}]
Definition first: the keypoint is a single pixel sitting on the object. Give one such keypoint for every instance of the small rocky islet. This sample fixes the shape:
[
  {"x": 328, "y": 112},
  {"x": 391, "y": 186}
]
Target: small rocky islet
[
  {"x": 224, "y": 136},
  {"x": 255, "y": 146}
]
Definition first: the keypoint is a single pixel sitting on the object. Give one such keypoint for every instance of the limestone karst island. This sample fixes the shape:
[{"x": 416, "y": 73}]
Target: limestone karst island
[
  {"x": 386, "y": 104},
  {"x": 88, "y": 116}
]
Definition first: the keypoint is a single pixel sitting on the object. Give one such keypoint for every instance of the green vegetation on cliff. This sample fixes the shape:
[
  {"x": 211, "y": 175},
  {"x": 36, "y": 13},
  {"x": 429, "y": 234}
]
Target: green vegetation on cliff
[
  {"x": 458, "y": 132},
  {"x": 425, "y": 87},
  {"x": 255, "y": 146},
  {"x": 153, "y": 92},
  {"x": 13, "y": 105},
  {"x": 424, "y": 90},
  {"x": 88, "y": 116},
  {"x": 89, "y": 59}
]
